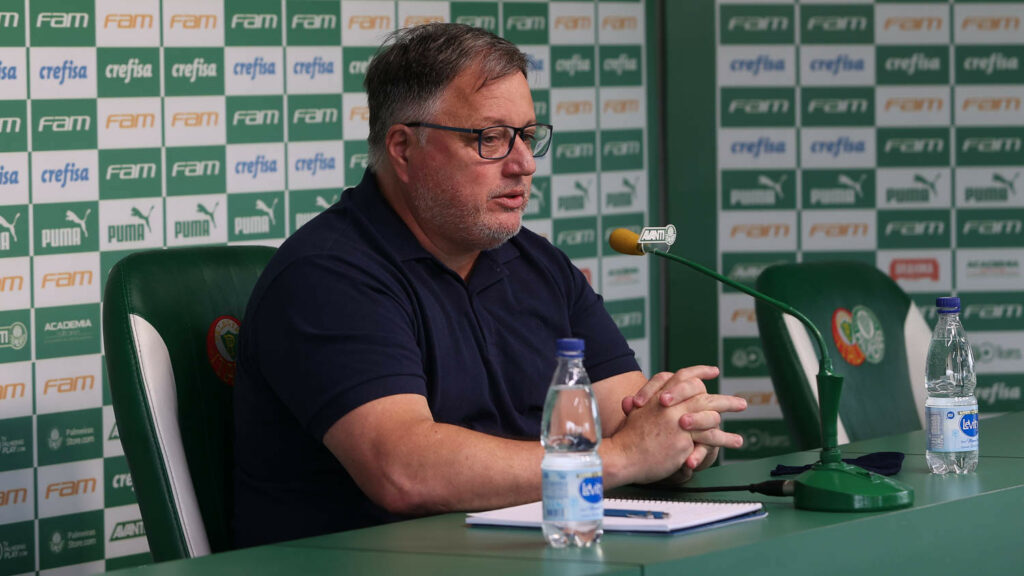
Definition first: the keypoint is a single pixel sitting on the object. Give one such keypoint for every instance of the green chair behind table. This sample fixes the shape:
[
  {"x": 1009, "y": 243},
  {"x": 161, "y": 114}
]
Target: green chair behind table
[
  {"x": 169, "y": 331},
  {"x": 876, "y": 337}
]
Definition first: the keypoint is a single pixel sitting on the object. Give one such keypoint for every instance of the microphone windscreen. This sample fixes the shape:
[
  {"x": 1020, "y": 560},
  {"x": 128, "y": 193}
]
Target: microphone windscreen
[{"x": 626, "y": 242}]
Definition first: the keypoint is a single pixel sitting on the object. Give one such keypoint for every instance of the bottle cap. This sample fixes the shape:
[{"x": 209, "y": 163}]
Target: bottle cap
[
  {"x": 570, "y": 347},
  {"x": 947, "y": 304}
]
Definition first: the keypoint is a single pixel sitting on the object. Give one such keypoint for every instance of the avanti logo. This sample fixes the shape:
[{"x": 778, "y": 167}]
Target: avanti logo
[
  {"x": 132, "y": 232},
  {"x": 127, "y": 529},
  {"x": 1000, "y": 190},
  {"x": 133, "y": 21},
  {"x": 199, "y": 227}
]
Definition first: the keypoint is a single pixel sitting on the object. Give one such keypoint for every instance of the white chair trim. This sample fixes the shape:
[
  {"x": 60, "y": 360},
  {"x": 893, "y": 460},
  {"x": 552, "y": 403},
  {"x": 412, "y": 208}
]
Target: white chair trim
[
  {"x": 805, "y": 351},
  {"x": 161, "y": 395},
  {"x": 917, "y": 337}
]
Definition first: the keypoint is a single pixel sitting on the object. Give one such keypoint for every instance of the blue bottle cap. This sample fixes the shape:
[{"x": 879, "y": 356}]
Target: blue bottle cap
[
  {"x": 947, "y": 304},
  {"x": 570, "y": 346}
]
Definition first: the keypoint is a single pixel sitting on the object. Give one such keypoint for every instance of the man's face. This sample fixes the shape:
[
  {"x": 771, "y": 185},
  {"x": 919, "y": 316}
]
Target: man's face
[{"x": 461, "y": 201}]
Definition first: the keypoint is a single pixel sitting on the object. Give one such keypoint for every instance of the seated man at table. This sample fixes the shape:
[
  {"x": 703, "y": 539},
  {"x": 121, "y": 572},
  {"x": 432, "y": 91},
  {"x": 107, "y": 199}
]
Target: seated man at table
[{"x": 396, "y": 352}]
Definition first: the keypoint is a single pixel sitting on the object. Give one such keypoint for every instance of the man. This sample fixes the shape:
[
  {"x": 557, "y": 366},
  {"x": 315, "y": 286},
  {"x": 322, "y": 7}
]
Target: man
[{"x": 396, "y": 352}]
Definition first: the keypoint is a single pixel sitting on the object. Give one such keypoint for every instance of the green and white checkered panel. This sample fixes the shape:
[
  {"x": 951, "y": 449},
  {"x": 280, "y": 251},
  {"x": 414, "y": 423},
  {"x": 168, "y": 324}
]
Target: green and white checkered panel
[
  {"x": 135, "y": 124},
  {"x": 890, "y": 132}
]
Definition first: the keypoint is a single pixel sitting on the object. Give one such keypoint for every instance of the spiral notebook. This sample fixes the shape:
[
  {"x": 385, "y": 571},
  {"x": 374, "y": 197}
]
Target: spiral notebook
[{"x": 679, "y": 516}]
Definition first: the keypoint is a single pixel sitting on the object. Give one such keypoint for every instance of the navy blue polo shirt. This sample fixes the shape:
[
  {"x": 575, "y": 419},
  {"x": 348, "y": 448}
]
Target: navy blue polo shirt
[{"x": 351, "y": 309}]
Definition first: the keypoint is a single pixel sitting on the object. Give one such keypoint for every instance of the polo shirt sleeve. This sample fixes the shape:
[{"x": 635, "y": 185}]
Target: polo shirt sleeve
[{"x": 336, "y": 336}]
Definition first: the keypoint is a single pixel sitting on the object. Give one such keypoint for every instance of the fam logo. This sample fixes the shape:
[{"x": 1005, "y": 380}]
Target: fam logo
[
  {"x": 577, "y": 237},
  {"x": 756, "y": 24},
  {"x": 913, "y": 147},
  {"x": 858, "y": 335},
  {"x": 989, "y": 147},
  {"x": 760, "y": 231},
  {"x": 838, "y": 24},
  {"x": 193, "y": 21},
  {"x": 64, "y": 124},
  {"x": 67, "y": 385}
]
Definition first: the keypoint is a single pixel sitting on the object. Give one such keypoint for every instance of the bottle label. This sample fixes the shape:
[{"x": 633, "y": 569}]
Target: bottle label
[
  {"x": 575, "y": 495},
  {"x": 952, "y": 428}
]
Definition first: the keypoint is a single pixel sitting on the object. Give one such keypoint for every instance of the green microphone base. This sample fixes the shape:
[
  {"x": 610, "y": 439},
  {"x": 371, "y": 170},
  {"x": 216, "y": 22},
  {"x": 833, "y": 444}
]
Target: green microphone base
[{"x": 841, "y": 487}]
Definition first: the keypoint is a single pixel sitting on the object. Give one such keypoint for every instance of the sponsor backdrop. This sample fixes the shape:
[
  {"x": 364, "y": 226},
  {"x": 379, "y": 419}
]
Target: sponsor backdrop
[
  {"x": 136, "y": 124},
  {"x": 888, "y": 132}
]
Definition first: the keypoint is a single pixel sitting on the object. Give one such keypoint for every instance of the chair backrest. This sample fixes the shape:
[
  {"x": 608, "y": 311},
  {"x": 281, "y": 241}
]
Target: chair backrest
[
  {"x": 876, "y": 337},
  {"x": 170, "y": 324}
]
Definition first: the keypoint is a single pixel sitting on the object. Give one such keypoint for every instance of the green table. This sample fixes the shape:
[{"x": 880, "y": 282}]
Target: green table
[{"x": 977, "y": 519}]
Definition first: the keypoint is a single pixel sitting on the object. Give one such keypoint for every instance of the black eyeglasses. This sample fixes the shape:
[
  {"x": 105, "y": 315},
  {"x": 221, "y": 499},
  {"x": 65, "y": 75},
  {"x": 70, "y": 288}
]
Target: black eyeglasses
[{"x": 496, "y": 142}]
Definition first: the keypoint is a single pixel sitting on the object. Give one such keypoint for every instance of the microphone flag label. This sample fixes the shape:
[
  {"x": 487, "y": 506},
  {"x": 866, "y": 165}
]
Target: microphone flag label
[{"x": 657, "y": 237}]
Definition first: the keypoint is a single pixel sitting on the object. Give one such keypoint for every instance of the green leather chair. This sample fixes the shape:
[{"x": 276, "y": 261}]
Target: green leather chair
[
  {"x": 877, "y": 339},
  {"x": 170, "y": 323}
]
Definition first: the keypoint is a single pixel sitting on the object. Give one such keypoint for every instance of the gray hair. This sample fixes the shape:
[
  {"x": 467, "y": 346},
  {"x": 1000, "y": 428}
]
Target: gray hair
[{"x": 409, "y": 73}]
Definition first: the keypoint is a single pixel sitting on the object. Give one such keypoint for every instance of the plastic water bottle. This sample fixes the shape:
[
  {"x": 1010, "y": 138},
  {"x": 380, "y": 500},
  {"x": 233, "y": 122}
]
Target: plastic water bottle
[
  {"x": 573, "y": 484},
  {"x": 951, "y": 409}
]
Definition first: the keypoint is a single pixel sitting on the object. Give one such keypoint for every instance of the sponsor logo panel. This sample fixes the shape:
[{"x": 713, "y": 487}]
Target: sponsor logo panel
[
  {"x": 990, "y": 64},
  {"x": 12, "y": 22},
  {"x": 63, "y": 73},
  {"x": 913, "y": 147},
  {"x": 760, "y": 66},
  {"x": 912, "y": 64},
  {"x": 743, "y": 357},
  {"x": 194, "y": 121},
  {"x": 742, "y": 107},
  {"x": 634, "y": 222},
  {"x": 837, "y": 65},
  {"x": 16, "y": 449},
  {"x": 66, "y": 228},
  {"x": 313, "y": 70},
  {"x": 574, "y": 109},
  {"x": 15, "y": 286},
  {"x": 925, "y": 24},
  {"x": 57, "y": 23},
  {"x": 988, "y": 23},
  {"x": 256, "y": 167},
  {"x": 16, "y": 399},
  {"x": 68, "y": 384},
  {"x": 574, "y": 152},
  {"x": 837, "y": 24},
  {"x": 477, "y": 14},
  {"x": 623, "y": 192},
  {"x": 128, "y": 23},
  {"x": 314, "y": 117},
  {"x": 577, "y": 237},
  {"x": 15, "y": 329},
  {"x": 914, "y": 187},
  {"x": 125, "y": 533},
  {"x": 14, "y": 124},
  {"x": 761, "y": 438},
  {"x": 572, "y": 23},
  {"x": 736, "y": 315},
  {"x": 356, "y": 159},
  {"x": 250, "y": 71},
  {"x": 539, "y": 205},
  {"x": 355, "y": 60},
  {"x": 989, "y": 105},
  {"x": 66, "y": 279},
  {"x": 255, "y": 119},
  {"x": 63, "y": 437},
  {"x": 368, "y": 23},
  {"x": 72, "y": 539},
  {"x": 623, "y": 277},
  {"x": 63, "y": 124},
  {"x": 991, "y": 311},
  {"x": 118, "y": 486},
  {"x": 914, "y": 106},
  {"x": 17, "y": 500},
  {"x": 355, "y": 115},
  {"x": 526, "y": 23},
  {"x": 837, "y": 147},
  {"x": 907, "y": 229},
  {"x": 998, "y": 352},
  {"x": 837, "y": 107},
  {"x": 538, "y": 66},
  {"x": 14, "y": 237},
  {"x": 630, "y": 316},
  {"x": 620, "y": 22},
  {"x": 193, "y": 220},
  {"x": 196, "y": 170},
  {"x": 621, "y": 65},
  {"x": 193, "y": 71},
  {"x": 131, "y": 224},
  {"x": 768, "y": 148},
  {"x": 1000, "y": 392},
  {"x": 17, "y": 555},
  {"x": 990, "y": 146},
  {"x": 574, "y": 195},
  {"x": 253, "y": 23},
  {"x": 759, "y": 394},
  {"x": 919, "y": 270},
  {"x": 307, "y": 204},
  {"x": 619, "y": 107},
  {"x": 989, "y": 269},
  {"x": 13, "y": 72},
  {"x": 64, "y": 176},
  {"x": 129, "y": 122},
  {"x": 130, "y": 173},
  {"x": 839, "y": 230},
  {"x": 128, "y": 72},
  {"x": 753, "y": 24},
  {"x": 838, "y": 188},
  {"x": 573, "y": 66},
  {"x": 622, "y": 150},
  {"x": 745, "y": 267},
  {"x": 758, "y": 189},
  {"x": 989, "y": 187},
  {"x": 67, "y": 330},
  {"x": 315, "y": 23},
  {"x": 743, "y": 231},
  {"x": 257, "y": 216},
  {"x": 193, "y": 23},
  {"x": 989, "y": 228},
  {"x": 315, "y": 165}
]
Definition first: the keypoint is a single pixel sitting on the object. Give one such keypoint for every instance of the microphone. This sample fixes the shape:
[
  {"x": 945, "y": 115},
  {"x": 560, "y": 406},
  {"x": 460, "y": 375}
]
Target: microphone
[{"x": 830, "y": 484}]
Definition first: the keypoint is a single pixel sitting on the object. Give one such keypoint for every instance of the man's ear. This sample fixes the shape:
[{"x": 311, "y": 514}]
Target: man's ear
[{"x": 397, "y": 146}]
